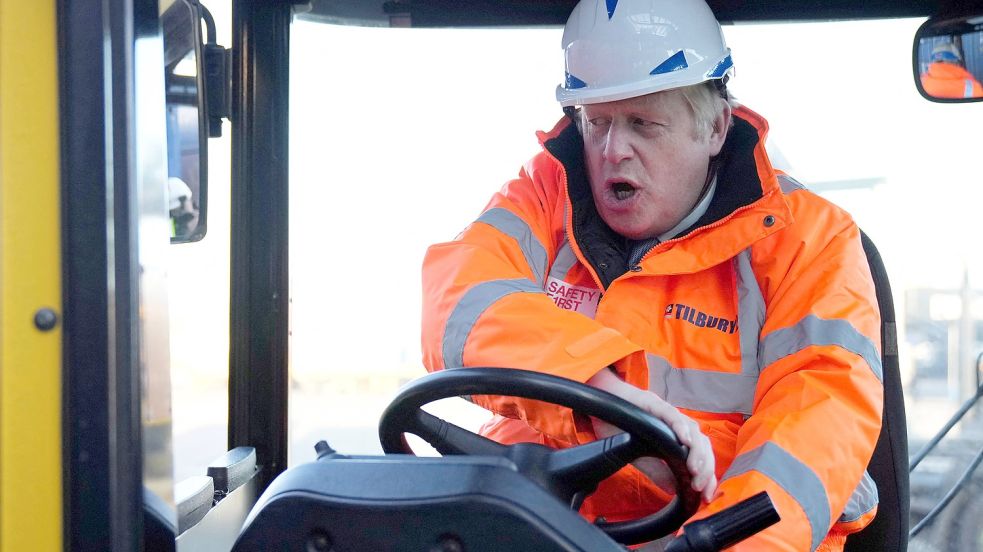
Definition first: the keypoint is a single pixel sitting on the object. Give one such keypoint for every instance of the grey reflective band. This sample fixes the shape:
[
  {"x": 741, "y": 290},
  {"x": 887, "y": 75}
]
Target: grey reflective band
[
  {"x": 794, "y": 477},
  {"x": 704, "y": 390},
  {"x": 750, "y": 313},
  {"x": 510, "y": 224},
  {"x": 565, "y": 259},
  {"x": 475, "y": 302},
  {"x": 712, "y": 391},
  {"x": 789, "y": 184},
  {"x": 968, "y": 91},
  {"x": 863, "y": 500},
  {"x": 813, "y": 330}
]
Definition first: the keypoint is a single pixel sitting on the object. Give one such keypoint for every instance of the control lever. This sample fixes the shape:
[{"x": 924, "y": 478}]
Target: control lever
[{"x": 727, "y": 527}]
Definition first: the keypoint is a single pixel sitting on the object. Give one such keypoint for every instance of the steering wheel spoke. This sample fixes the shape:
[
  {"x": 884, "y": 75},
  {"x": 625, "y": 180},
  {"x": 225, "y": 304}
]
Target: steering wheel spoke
[
  {"x": 584, "y": 466},
  {"x": 448, "y": 438}
]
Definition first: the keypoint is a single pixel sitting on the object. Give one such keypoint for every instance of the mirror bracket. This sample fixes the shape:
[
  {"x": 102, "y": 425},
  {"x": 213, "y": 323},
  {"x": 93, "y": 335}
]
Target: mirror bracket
[
  {"x": 217, "y": 70},
  {"x": 218, "y": 83}
]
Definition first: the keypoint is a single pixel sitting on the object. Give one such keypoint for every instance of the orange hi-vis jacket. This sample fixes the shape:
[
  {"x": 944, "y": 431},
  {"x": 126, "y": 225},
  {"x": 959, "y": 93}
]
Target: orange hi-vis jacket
[
  {"x": 760, "y": 322},
  {"x": 947, "y": 80}
]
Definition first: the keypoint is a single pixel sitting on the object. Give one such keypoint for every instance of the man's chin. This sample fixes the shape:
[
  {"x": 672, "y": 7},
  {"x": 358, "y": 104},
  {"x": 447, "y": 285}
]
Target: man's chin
[
  {"x": 634, "y": 233},
  {"x": 627, "y": 228}
]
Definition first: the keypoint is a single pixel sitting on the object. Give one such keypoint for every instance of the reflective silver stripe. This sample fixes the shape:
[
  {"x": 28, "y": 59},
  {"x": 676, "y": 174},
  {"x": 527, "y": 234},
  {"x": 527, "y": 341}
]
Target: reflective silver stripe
[
  {"x": 968, "y": 90},
  {"x": 565, "y": 259},
  {"x": 750, "y": 313},
  {"x": 813, "y": 330},
  {"x": 794, "y": 477},
  {"x": 510, "y": 224},
  {"x": 863, "y": 500},
  {"x": 718, "y": 392},
  {"x": 789, "y": 184},
  {"x": 474, "y": 302}
]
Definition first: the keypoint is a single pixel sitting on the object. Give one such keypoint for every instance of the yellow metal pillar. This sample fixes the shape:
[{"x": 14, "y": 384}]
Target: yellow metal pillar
[{"x": 30, "y": 280}]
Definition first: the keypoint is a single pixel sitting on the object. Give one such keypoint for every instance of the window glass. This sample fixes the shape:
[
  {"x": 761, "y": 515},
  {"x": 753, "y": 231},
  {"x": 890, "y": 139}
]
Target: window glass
[{"x": 398, "y": 138}]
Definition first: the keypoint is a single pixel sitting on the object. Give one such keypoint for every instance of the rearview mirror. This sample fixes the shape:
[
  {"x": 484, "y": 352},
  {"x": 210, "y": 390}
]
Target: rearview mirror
[
  {"x": 187, "y": 138},
  {"x": 948, "y": 59}
]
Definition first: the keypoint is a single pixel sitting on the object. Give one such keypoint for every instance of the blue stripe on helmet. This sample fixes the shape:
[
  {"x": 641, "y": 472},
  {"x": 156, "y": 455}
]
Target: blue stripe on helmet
[
  {"x": 612, "y": 5},
  {"x": 573, "y": 83},
  {"x": 945, "y": 56},
  {"x": 721, "y": 68},
  {"x": 675, "y": 62}
]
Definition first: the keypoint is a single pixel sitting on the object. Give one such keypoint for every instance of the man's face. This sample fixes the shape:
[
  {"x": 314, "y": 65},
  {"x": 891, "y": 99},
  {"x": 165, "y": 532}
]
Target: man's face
[{"x": 646, "y": 163}]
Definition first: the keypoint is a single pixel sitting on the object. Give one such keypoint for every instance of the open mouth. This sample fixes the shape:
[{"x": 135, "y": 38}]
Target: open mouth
[{"x": 622, "y": 190}]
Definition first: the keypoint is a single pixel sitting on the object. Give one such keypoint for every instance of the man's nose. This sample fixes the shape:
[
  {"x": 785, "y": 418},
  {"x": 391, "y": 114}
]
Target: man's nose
[{"x": 617, "y": 145}]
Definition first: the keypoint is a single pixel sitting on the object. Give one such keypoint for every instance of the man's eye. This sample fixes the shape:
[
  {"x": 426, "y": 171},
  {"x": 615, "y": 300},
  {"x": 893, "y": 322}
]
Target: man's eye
[
  {"x": 643, "y": 123},
  {"x": 598, "y": 121}
]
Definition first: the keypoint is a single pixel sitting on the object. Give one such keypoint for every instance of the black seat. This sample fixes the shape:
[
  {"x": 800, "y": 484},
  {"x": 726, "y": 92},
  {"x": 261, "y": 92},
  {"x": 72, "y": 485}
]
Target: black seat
[{"x": 889, "y": 465}]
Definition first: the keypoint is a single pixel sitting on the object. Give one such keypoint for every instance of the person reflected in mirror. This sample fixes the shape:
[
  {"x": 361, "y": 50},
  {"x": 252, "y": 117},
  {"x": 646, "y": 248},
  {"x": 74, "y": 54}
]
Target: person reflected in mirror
[
  {"x": 183, "y": 213},
  {"x": 653, "y": 251},
  {"x": 946, "y": 77}
]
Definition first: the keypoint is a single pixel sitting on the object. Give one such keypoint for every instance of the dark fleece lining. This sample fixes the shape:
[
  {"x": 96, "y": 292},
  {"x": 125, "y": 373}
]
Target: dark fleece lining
[
  {"x": 737, "y": 185},
  {"x": 737, "y": 175},
  {"x": 604, "y": 248}
]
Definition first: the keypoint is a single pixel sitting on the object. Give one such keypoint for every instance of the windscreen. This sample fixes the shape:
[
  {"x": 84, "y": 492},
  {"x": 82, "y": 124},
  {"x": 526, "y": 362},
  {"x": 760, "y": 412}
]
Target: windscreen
[{"x": 399, "y": 137}]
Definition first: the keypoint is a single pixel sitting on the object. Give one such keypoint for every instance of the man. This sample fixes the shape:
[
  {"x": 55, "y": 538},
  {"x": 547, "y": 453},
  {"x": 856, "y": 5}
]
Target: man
[
  {"x": 184, "y": 215},
  {"x": 651, "y": 250},
  {"x": 946, "y": 77}
]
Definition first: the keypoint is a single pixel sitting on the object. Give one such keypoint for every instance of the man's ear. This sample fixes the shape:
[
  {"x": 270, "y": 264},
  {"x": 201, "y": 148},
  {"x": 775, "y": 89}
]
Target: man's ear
[{"x": 718, "y": 131}]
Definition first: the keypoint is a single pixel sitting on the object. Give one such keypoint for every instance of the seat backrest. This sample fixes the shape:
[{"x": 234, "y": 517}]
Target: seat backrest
[{"x": 889, "y": 465}]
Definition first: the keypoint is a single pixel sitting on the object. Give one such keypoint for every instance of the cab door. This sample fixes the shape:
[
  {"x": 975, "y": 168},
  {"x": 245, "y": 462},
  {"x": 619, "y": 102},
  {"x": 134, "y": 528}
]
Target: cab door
[
  {"x": 31, "y": 332},
  {"x": 81, "y": 150}
]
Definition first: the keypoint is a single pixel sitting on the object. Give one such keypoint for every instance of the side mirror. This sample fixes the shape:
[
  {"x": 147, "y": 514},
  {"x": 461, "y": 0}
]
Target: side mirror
[
  {"x": 187, "y": 121},
  {"x": 948, "y": 59}
]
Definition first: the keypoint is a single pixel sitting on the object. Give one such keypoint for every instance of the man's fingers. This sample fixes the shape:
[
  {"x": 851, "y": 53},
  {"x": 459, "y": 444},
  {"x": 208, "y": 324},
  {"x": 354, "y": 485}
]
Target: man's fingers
[
  {"x": 700, "y": 453},
  {"x": 699, "y": 462},
  {"x": 710, "y": 489}
]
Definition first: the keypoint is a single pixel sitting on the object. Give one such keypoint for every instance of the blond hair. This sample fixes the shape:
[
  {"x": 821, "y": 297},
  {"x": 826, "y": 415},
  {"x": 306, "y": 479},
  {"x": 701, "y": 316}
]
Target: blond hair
[{"x": 705, "y": 100}]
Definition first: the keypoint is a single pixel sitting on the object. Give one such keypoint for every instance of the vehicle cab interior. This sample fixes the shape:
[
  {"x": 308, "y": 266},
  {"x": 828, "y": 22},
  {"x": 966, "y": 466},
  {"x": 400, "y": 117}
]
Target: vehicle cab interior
[{"x": 232, "y": 203}]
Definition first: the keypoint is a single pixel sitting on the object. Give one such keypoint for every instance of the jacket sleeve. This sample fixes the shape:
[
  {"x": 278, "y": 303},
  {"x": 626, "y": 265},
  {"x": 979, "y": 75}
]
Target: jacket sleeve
[
  {"x": 484, "y": 304},
  {"x": 817, "y": 407}
]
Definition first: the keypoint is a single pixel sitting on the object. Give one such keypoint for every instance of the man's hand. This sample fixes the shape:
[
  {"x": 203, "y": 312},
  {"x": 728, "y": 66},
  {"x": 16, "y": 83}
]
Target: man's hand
[{"x": 700, "y": 460}]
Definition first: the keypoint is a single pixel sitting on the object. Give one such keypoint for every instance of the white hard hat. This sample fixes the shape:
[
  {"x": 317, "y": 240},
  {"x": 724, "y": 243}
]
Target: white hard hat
[
  {"x": 176, "y": 189},
  {"x": 946, "y": 51},
  {"x": 617, "y": 49}
]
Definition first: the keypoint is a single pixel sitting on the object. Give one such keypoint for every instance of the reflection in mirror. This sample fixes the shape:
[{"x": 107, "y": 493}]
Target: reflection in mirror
[
  {"x": 186, "y": 141},
  {"x": 949, "y": 59}
]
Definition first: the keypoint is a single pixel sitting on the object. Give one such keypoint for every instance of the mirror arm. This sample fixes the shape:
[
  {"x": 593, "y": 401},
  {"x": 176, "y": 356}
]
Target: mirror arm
[{"x": 206, "y": 16}]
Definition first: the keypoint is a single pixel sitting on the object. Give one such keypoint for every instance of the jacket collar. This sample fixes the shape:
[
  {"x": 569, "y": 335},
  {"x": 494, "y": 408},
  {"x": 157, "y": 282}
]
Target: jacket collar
[{"x": 747, "y": 206}]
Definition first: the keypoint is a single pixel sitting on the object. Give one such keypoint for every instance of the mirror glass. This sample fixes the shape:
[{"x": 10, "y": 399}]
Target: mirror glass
[
  {"x": 949, "y": 59},
  {"x": 186, "y": 139}
]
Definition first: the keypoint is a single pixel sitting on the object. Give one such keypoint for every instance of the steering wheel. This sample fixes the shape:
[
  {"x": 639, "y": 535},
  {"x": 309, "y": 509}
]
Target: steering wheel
[{"x": 569, "y": 474}]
